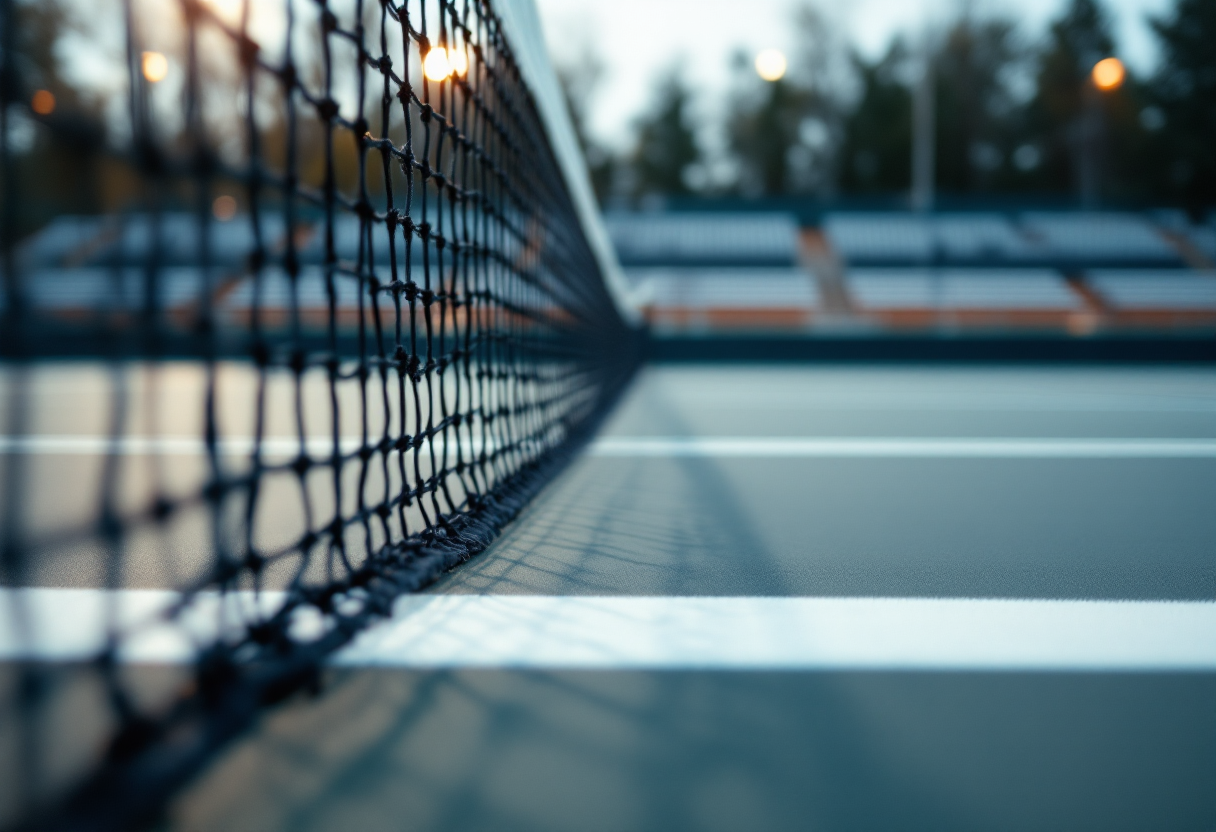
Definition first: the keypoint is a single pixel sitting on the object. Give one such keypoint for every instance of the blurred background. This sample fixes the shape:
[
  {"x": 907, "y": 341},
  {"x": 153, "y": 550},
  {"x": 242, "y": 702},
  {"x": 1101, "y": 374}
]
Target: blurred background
[
  {"x": 783, "y": 168},
  {"x": 876, "y": 167}
]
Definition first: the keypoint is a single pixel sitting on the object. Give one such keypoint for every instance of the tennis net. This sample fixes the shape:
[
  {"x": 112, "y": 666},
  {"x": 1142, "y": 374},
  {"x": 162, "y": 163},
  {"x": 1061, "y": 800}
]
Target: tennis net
[{"x": 324, "y": 304}]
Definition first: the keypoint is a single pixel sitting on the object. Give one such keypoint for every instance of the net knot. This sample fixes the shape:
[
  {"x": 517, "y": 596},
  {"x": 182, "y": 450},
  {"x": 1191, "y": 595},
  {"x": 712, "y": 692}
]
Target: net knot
[
  {"x": 327, "y": 109},
  {"x": 162, "y": 508}
]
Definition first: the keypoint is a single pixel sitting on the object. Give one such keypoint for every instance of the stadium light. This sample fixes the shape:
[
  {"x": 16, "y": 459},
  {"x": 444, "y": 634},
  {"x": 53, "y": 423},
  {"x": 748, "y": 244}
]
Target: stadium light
[
  {"x": 155, "y": 66},
  {"x": 440, "y": 63},
  {"x": 227, "y": 10},
  {"x": 43, "y": 102},
  {"x": 770, "y": 64},
  {"x": 1108, "y": 74}
]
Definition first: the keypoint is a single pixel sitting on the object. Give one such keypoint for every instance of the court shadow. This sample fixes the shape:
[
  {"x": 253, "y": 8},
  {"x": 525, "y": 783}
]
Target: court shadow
[
  {"x": 630, "y": 526},
  {"x": 590, "y": 750}
]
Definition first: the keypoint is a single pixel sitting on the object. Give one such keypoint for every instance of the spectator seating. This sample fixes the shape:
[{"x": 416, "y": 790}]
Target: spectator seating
[
  {"x": 763, "y": 297},
  {"x": 1144, "y": 296},
  {"x": 704, "y": 239},
  {"x": 1043, "y": 239},
  {"x": 919, "y": 297},
  {"x": 1100, "y": 239}
]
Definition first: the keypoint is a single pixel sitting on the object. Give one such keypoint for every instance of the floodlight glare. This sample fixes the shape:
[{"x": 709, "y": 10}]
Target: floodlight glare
[
  {"x": 442, "y": 63},
  {"x": 155, "y": 66},
  {"x": 1108, "y": 74},
  {"x": 770, "y": 65}
]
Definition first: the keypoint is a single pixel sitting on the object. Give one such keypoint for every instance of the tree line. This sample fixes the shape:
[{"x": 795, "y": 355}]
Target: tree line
[{"x": 1011, "y": 116}]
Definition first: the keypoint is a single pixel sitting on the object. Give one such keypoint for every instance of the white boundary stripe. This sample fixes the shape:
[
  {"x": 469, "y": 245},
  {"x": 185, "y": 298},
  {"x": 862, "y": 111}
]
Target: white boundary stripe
[
  {"x": 614, "y": 633},
  {"x": 727, "y": 446},
  {"x": 278, "y": 446},
  {"x": 665, "y": 446}
]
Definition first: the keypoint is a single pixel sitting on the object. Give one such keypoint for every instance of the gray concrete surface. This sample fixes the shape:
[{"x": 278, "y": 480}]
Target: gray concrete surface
[
  {"x": 676, "y": 750},
  {"x": 617, "y": 750}
]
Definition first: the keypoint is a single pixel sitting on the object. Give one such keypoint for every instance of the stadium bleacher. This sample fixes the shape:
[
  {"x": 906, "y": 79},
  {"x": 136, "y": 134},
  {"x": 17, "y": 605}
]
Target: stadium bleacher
[
  {"x": 726, "y": 297},
  {"x": 1057, "y": 239},
  {"x": 1203, "y": 238},
  {"x": 983, "y": 239},
  {"x": 719, "y": 269},
  {"x": 104, "y": 241},
  {"x": 1101, "y": 239},
  {"x": 875, "y": 239},
  {"x": 1146, "y": 296},
  {"x": 912, "y": 297},
  {"x": 90, "y": 289},
  {"x": 73, "y": 241},
  {"x": 704, "y": 239}
]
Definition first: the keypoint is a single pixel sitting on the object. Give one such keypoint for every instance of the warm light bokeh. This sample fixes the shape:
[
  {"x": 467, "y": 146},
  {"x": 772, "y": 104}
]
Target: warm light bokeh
[
  {"x": 1108, "y": 74},
  {"x": 43, "y": 103},
  {"x": 224, "y": 208},
  {"x": 155, "y": 66},
  {"x": 770, "y": 65},
  {"x": 227, "y": 10},
  {"x": 441, "y": 63}
]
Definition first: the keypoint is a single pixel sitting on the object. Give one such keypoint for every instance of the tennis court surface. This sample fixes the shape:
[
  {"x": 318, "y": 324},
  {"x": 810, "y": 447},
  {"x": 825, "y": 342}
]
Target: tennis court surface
[
  {"x": 788, "y": 596},
  {"x": 1007, "y": 534}
]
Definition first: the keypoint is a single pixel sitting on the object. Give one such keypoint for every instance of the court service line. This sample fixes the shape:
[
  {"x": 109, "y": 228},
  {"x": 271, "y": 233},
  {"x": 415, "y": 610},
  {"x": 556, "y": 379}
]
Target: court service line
[
  {"x": 887, "y": 447},
  {"x": 615, "y": 633},
  {"x": 664, "y": 446}
]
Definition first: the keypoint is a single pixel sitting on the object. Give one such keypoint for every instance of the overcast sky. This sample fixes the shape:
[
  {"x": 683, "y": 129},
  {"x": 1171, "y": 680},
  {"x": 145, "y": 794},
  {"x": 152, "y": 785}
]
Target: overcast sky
[{"x": 638, "y": 39}]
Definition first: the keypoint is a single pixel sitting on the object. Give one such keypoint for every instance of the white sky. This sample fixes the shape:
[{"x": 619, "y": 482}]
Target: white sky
[{"x": 638, "y": 39}]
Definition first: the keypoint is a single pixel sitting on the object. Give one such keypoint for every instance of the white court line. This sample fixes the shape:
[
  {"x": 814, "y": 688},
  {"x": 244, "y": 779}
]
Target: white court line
[
  {"x": 918, "y": 447},
  {"x": 667, "y": 446},
  {"x": 279, "y": 446},
  {"x": 613, "y": 633}
]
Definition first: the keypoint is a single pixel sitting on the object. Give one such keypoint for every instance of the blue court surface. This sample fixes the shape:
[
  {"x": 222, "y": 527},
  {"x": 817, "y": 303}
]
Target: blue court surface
[{"x": 798, "y": 597}]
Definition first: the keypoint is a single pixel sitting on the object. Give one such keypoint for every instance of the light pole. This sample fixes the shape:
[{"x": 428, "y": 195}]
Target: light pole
[
  {"x": 1106, "y": 76},
  {"x": 923, "y": 132}
]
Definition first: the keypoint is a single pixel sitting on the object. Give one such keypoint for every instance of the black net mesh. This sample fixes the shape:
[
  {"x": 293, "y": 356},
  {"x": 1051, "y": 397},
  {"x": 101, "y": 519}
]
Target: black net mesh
[{"x": 312, "y": 318}]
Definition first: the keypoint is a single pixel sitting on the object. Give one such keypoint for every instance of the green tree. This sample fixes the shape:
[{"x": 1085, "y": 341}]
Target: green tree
[
  {"x": 1091, "y": 142},
  {"x": 58, "y": 166},
  {"x": 784, "y": 135},
  {"x": 667, "y": 144},
  {"x": 976, "y": 110},
  {"x": 876, "y": 152},
  {"x": 763, "y": 135},
  {"x": 1184, "y": 93}
]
